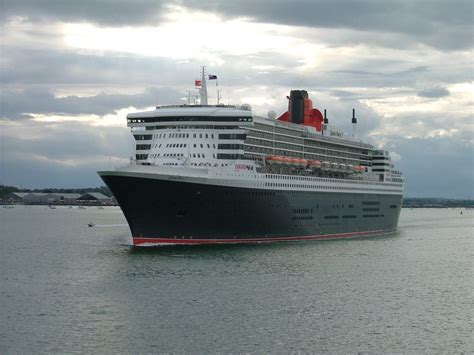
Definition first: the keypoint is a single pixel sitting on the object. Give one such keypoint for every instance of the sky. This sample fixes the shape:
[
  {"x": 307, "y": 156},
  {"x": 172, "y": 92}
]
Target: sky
[{"x": 70, "y": 71}]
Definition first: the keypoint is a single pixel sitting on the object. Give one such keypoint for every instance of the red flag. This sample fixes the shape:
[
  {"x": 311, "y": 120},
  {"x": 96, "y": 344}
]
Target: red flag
[{"x": 197, "y": 83}]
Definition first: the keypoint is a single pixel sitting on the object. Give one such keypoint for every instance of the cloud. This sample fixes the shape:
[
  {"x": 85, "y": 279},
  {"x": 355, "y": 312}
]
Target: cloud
[
  {"x": 21, "y": 103},
  {"x": 106, "y": 12},
  {"x": 435, "y": 92},
  {"x": 60, "y": 154},
  {"x": 27, "y": 66},
  {"x": 436, "y": 23},
  {"x": 427, "y": 164},
  {"x": 440, "y": 24},
  {"x": 65, "y": 62}
]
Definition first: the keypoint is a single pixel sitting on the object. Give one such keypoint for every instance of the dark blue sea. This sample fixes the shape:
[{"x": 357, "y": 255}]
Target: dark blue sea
[{"x": 66, "y": 287}]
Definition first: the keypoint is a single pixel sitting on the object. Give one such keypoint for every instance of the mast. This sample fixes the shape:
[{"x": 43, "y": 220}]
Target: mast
[
  {"x": 354, "y": 124},
  {"x": 203, "y": 89}
]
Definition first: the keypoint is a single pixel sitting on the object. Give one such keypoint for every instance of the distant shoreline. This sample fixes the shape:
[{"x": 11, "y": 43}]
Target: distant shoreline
[{"x": 3, "y": 203}]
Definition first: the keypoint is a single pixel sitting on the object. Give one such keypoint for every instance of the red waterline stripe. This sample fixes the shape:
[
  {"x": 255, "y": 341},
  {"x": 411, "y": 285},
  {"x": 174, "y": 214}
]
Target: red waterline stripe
[{"x": 137, "y": 241}]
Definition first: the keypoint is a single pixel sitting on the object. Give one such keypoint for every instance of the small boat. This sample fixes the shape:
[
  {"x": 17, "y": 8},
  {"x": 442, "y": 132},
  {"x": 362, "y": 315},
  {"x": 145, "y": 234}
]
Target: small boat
[{"x": 90, "y": 224}]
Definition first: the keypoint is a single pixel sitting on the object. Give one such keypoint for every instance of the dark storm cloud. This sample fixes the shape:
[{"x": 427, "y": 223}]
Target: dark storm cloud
[
  {"x": 426, "y": 163},
  {"x": 438, "y": 23},
  {"x": 59, "y": 154},
  {"x": 433, "y": 93},
  {"x": 105, "y": 12},
  {"x": 17, "y": 104}
]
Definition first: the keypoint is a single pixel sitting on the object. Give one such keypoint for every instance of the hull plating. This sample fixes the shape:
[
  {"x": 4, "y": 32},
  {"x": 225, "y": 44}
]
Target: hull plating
[{"x": 171, "y": 212}]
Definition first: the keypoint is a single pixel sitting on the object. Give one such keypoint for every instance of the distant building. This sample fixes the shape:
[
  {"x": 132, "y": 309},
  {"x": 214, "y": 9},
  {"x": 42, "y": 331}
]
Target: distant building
[
  {"x": 66, "y": 198},
  {"x": 36, "y": 197},
  {"x": 43, "y": 198},
  {"x": 15, "y": 197},
  {"x": 95, "y": 197}
]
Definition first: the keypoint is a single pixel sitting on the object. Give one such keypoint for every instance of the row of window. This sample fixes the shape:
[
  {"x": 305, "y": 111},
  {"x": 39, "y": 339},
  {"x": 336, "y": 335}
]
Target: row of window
[
  {"x": 317, "y": 179},
  {"x": 319, "y": 147},
  {"x": 301, "y": 218},
  {"x": 287, "y": 132},
  {"x": 342, "y": 188},
  {"x": 302, "y": 210},
  {"x": 143, "y": 137},
  {"x": 232, "y": 136},
  {"x": 190, "y": 119},
  {"x": 353, "y": 216},
  {"x": 230, "y": 156},
  {"x": 230, "y": 146},
  {"x": 292, "y": 131},
  {"x": 310, "y": 178},
  {"x": 184, "y": 135}
]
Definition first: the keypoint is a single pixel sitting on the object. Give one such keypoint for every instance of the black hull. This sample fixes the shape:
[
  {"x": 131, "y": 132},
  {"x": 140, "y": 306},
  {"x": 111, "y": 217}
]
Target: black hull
[{"x": 161, "y": 211}]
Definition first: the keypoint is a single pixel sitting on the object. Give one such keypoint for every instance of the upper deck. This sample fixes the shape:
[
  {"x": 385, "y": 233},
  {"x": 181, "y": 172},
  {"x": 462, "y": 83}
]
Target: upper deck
[{"x": 216, "y": 136}]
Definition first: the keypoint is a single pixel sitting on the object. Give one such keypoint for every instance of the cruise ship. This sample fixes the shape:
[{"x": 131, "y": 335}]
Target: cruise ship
[{"x": 212, "y": 174}]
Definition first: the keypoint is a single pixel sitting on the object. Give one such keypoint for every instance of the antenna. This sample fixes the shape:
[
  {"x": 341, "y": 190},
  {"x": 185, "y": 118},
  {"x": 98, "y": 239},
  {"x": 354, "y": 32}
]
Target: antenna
[
  {"x": 203, "y": 89},
  {"x": 324, "y": 126}
]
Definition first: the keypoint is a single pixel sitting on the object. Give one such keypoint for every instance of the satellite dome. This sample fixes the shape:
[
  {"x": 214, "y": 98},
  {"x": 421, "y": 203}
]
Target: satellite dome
[
  {"x": 271, "y": 114},
  {"x": 246, "y": 107}
]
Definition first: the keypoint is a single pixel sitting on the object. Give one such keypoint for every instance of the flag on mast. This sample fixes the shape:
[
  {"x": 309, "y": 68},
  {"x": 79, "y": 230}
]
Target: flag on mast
[
  {"x": 197, "y": 83},
  {"x": 212, "y": 77}
]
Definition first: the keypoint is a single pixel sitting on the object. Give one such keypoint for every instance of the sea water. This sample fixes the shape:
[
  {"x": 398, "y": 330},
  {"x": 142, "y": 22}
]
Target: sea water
[{"x": 68, "y": 287}]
